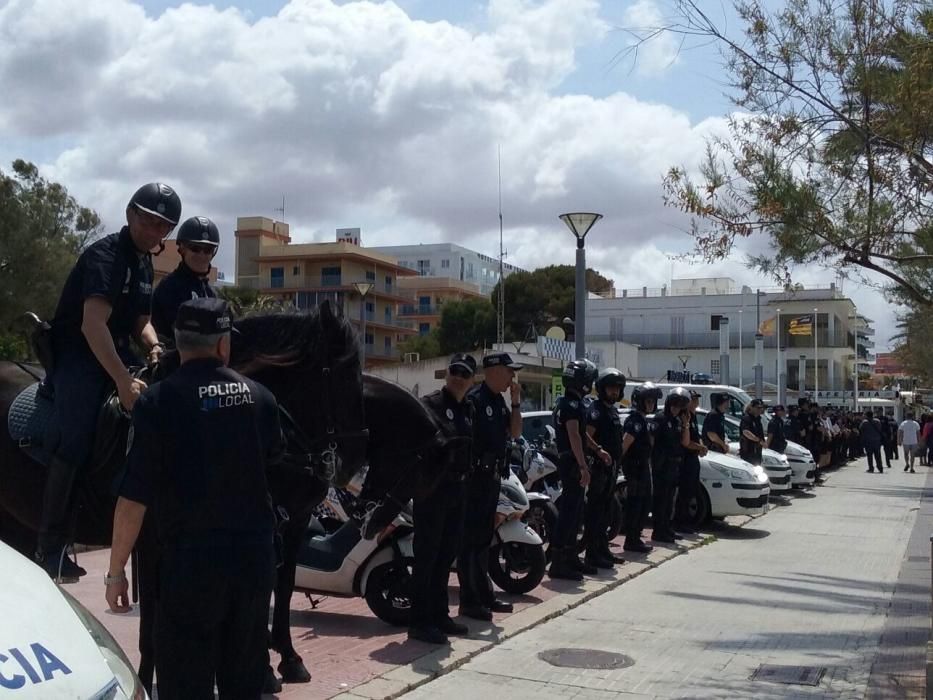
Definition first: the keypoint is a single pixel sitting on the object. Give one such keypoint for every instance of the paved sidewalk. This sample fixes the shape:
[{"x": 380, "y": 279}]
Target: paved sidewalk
[{"x": 819, "y": 583}]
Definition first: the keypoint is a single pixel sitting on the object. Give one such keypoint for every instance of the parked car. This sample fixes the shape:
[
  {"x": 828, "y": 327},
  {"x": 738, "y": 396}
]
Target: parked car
[{"x": 52, "y": 646}]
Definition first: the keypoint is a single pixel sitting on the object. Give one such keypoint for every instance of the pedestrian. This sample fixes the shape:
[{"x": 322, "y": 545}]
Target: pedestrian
[
  {"x": 636, "y": 464},
  {"x": 776, "y": 439},
  {"x": 104, "y": 303},
  {"x": 671, "y": 439},
  {"x": 714, "y": 425},
  {"x": 908, "y": 437},
  {"x": 604, "y": 427},
  {"x": 572, "y": 440},
  {"x": 439, "y": 517},
  {"x": 201, "y": 444},
  {"x": 926, "y": 440},
  {"x": 688, "y": 484},
  {"x": 493, "y": 427},
  {"x": 198, "y": 240},
  {"x": 872, "y": 440},
  {"x": 752, "y": 434}
]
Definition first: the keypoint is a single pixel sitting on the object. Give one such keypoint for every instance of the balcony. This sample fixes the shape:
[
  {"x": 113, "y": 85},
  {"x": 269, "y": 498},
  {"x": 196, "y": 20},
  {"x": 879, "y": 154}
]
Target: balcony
[
  {"x": 710, "y": 339},
  {"x": 420, "y": 310},
  {"x": 331, "y": 281},
  {"x": 373, "y": 351}
]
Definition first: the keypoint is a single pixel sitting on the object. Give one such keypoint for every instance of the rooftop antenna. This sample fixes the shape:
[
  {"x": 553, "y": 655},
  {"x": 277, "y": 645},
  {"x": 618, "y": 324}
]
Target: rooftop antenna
[
  {"x": 500, "y": 302},
  {"x": 282, "y": 208}
]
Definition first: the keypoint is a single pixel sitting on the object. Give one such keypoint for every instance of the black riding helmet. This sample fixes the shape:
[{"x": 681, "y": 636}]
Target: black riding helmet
[
  {"x": 644, "y": 392},
  {"x": 159, "y": 200},
  {"x": 575, "y": 376},
  {"x": 198, "y": 229},
  {"x": 607, "y": 378},
  {"x": 678, "y": 396}
]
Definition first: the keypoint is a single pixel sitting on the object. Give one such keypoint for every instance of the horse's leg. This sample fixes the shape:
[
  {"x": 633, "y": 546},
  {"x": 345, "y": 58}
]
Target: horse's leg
[
  {"x": 291, "y": 666},
  {"x": 17, "y": 535}
]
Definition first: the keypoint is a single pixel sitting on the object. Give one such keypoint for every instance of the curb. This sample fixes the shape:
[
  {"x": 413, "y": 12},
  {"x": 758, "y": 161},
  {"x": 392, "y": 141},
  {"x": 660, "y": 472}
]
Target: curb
[{"x": 440, "y": 662}]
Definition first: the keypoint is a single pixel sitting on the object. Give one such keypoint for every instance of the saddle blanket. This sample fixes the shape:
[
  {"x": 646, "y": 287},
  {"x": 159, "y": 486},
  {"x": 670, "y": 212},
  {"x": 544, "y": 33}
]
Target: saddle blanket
[{"x": 28, "y": 420}]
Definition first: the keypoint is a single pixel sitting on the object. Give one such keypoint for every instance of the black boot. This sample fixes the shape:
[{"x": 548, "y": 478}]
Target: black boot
[
  {"x": 561, "y": 565},
  {"x": 59, "y": 566},
  {"x": 584, "y": 567},
  {"x": 53, "y": 525}
]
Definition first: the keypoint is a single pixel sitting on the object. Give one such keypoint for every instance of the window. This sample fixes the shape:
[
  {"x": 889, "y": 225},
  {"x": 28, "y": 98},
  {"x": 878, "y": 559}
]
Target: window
[
  {"x": 445, "y": 264},
  {"x": 388, "y": 314},
  {"x": 424, "y": 267},
  {"x": 424, "y": 328},
  {"x": 387, "y": 344},
  {"x": 277, "y": 277},
  {"x": 714, "y": 366},
  {"x": 370, "y": 307},
  {"x": 370, "y": 339},
  {"x": 330, "y": 276},
  {"x": 469, "y": 271},
  {"x": 296, "y": 270},
  {"x": 677, "y": 330},
  {"x": 370, "y": 275},
  {"x": 424, "y": 301},
  {"x": 388, "y": 282},
  {"x": 714, "y": 321}
]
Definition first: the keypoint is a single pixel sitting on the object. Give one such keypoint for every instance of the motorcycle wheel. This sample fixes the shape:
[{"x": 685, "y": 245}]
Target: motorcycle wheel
[
  {"x": 517, "y": 567},
  {"x": 388, "y": 593},
  {"x": 542, "y": 518}
]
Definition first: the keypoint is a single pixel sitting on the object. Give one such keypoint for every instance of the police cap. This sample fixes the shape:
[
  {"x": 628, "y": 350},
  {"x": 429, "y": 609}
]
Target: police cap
[
  {"x": 463, "y": 361},
  {"x": 205, "y": 316},
  {"x": 500, "y": 359}
]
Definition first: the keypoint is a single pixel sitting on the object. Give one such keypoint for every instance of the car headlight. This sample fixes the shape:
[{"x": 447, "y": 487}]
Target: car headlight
[
  {"x": 729, "y": 473},
  {"x": 119, "y": 665},
  {"x": 773, "y": 461}
]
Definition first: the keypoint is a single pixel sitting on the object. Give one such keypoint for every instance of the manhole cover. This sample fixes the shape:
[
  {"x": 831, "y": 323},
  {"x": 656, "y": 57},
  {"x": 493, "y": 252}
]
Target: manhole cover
[
  {"x": 585, "y": 658},
  {"x": 790, "y": 675}
]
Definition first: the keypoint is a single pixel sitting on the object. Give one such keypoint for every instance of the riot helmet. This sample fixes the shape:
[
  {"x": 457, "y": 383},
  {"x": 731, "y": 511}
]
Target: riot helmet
[
  {"x": 575, "y": 376},
  {"x": 642, "y": 393},
  {"x": 607, "y": 378},
  {"x": 677, "y": 397}
]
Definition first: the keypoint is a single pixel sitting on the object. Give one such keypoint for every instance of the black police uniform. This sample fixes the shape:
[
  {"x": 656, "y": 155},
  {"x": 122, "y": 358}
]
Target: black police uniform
[
  {"x": 776, "y": 431},
  {"x": 748, "y": 450},
  {"x": 201, "y": 443},
  {"x": 439, "y": 517},
  {"x": 666, "y": 460},
  {"x": 490, "y": 441},
  {"x": 113, "y": 269},
  {"x": 795, "y": 430},
  {"x": 182, "y": 285},
  {"x": 636, "y": 465},
  {"x": 689, "y": 482},
  {"x": 714, "y": 423},
  {"x": 608, "y": 434},
  {"x": 570, "y": 407}
]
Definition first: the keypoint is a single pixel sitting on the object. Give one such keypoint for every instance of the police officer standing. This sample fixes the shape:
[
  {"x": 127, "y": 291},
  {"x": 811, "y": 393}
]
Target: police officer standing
[
  {"x": 104, "y": 303},
  {"x": 201, "y": 444},
  {"x": 671, "y": 439},
  {"x": 794, "y": 428},
  {"x": 636, "y": 464},
  {"x": 570, "y": 415},
  {"x": 494, "y": 425},
  {"x": 198, "y": 240},
  {"x": 752, "y": 433},
  {"x": 439, "y": 517},
  {"x": 777, "y": 441},
  {"x": 689, "y": 482},
  {"x": 605, "y": 429},
  {"x": 714, "y": 425}
]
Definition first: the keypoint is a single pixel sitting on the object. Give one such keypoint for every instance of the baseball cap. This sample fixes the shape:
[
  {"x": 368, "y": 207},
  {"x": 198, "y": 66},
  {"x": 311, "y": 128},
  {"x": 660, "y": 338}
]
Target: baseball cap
[
  {"x": 204, "y": 316},
  {"x": 462, "y": 360},
  {"x": 500, "y": 359}
]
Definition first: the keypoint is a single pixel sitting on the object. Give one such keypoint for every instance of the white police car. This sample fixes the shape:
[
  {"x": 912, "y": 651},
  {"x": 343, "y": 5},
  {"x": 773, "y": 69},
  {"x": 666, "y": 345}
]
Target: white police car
[{"x": 50, "y": 646}]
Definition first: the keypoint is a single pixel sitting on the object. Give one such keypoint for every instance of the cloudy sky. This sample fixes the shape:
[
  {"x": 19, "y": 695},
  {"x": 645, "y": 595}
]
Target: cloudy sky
[{"x": 382, "y": 115}]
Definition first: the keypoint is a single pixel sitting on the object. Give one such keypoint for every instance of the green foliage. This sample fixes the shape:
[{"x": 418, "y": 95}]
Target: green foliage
[
  {"x": 13, "y": 347},
  {"x": 466, "y": 325},
  {"x": 42, "y": 231},
  {"x": 915, "y": 351},
  {"x": 831, "y": 158},
  {"x": 427, "y": 346},
  {"x": 542, "y": 297},
  {"x": 244, "y": 300}
]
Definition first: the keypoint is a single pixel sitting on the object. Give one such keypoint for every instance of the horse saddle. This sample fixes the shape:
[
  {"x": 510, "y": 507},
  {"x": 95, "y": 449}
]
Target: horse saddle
[{"x": 32, "y": 415}]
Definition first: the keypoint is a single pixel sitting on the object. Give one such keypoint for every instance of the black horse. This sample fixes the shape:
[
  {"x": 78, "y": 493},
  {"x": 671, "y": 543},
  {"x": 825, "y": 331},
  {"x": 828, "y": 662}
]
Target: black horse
[{"x": 310, "y": 362}]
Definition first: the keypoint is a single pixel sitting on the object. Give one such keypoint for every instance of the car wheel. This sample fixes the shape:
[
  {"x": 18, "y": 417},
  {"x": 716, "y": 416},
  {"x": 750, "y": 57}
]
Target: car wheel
[{"x": 698, "y": 509}]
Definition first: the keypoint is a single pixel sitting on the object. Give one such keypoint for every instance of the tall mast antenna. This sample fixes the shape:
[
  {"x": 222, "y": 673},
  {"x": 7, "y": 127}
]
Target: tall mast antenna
[{"x": 500, "y": 310}]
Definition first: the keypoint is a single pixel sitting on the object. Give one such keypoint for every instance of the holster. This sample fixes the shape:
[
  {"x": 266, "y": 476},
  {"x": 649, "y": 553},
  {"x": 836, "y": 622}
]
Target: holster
[{"x": 41, "y": 341}]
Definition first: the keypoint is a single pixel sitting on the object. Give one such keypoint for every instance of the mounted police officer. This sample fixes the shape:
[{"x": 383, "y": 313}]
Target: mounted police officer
[
  {"x": 636, "y": 464},
  {"x": 604, "y": 427},
  {"x": 439, "y": 517},
  {"x": 572, "y": 439},
  {"x": 202, "y": 442},
  {"x": 198, "y": 240},
  {"x": 671, "y": 438},
  {"x": 105, "y": 302},
  {"x": 688, "y": 485},
  {"x": 714, "y": 425},
  {"x": 494, "y": 425}
]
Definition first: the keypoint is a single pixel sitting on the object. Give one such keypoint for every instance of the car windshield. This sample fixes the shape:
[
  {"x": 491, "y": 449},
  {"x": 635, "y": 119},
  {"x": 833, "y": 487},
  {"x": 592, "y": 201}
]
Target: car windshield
[
  {"x": 534, "y": 428},
  {"x": 731, "y": 424}
]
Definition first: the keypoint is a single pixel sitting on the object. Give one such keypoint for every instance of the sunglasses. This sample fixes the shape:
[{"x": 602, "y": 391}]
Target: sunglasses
[
  {"x": 460, "y": 372},
  {"x": 201, "y": 249}
]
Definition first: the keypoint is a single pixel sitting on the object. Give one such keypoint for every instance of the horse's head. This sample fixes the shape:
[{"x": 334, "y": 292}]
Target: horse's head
[{"x": 311, "y": 363}]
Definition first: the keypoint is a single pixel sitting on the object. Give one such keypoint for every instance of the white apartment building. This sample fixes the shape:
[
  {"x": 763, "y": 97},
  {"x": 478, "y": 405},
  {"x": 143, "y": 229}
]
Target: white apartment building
[
  {"x": 449, "y": 260},
  {"x": 678, "y": 328}
]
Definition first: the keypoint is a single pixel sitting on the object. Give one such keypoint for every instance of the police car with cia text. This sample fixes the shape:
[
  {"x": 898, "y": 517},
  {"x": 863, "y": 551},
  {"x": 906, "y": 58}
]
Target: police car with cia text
[{"x": 50, "y": 646}]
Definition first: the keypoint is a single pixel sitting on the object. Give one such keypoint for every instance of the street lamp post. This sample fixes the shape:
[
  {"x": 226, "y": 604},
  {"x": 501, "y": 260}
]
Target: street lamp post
[
  {"x": 363, "y": 288},
  {"x": 580, "y": 224},
  {"x": 816, "y": 356},
  {"x": 855, "y": 362},
  {"x": 781, "y": 376}
]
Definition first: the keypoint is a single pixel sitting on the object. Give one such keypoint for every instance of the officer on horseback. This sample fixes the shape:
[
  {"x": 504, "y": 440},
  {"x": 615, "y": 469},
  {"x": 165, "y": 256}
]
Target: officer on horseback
[
  {"x": 198, "y": 240},
  {"x": 105, "y": 302}
]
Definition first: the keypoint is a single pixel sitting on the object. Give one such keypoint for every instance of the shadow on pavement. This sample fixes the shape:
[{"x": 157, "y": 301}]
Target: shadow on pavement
[{"x": 729, "y": 532}]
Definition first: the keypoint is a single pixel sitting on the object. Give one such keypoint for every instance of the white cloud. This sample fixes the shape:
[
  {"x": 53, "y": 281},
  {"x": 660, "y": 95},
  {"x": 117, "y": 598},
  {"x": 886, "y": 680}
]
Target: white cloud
[{"x": 358, "y": 114}]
